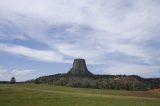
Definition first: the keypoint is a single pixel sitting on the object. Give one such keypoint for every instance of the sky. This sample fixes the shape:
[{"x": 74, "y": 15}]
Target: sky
[{"x": 43, "y": 37}]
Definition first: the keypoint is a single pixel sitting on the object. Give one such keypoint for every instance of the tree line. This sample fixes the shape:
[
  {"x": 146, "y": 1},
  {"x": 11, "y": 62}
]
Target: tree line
[{"x": 125, "y": 82}]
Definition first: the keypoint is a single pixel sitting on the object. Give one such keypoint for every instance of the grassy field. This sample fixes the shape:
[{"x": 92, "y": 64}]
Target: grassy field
[{"x": 49, "y": 95}]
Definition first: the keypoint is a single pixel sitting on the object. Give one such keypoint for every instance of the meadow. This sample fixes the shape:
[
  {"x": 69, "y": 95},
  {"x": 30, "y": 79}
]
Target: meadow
[{"x": 50, "y": 95}]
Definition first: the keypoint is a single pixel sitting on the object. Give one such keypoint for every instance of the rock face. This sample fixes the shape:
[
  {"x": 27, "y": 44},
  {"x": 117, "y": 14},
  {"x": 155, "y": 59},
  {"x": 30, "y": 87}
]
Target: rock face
[{"x": 79, "y": 68}]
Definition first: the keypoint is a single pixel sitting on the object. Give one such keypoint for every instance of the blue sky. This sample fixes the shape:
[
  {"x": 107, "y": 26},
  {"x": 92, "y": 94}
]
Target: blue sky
[{"x": 42, "y": 37}]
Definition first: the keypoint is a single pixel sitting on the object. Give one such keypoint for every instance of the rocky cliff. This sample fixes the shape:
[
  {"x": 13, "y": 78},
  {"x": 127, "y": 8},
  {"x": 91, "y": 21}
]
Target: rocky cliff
[{"x": 79, "y": 68}]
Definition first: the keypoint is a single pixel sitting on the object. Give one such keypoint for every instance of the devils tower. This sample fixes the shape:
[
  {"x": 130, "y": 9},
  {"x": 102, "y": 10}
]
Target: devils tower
[{"x": 79, "y": 68}]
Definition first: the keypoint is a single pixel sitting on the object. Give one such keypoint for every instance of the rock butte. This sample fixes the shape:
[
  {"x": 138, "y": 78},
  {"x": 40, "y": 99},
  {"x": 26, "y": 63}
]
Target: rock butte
[{"x": 79, "y": 68}]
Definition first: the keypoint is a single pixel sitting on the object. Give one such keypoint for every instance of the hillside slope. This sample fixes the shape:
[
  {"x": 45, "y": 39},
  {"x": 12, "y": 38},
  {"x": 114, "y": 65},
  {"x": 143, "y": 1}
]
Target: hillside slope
[{"x": 130, "y": 82}]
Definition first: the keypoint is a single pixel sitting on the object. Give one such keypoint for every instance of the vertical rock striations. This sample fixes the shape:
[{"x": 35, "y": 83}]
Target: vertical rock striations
[{"x": 79, "y": 68}]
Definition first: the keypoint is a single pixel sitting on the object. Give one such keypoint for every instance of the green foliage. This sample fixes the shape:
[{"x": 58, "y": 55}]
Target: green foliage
[
  {"x": 99, "y": 81},
  {"x": 13, "y": 80}
]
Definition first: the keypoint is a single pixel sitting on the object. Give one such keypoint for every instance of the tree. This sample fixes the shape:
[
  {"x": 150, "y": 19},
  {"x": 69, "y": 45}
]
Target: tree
[{"x": 13, "y": 80}]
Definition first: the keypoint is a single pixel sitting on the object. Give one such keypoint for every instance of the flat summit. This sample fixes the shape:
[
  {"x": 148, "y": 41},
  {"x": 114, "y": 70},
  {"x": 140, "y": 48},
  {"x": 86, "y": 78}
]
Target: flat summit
[{"x": 79, "y": 68}]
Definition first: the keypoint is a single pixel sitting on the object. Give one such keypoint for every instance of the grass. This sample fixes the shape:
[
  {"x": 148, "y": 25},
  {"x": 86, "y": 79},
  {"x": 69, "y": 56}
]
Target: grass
[{"x": 49, "y": 95}]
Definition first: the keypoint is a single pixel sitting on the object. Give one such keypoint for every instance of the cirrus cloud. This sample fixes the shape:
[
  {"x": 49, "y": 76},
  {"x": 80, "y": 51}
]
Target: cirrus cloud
[{"x": 101, "y": 31}]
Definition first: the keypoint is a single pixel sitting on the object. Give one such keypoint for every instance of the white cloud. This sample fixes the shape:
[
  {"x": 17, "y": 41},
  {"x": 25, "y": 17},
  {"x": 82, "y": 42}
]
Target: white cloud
[
  {"x": 19, "y": 74},
  {"x": 78, "y": 52},
  {"x": 42, "y": 55},
  {"x": 2, "y": 72},
  {"x": 115, "y": 27},
  {"x": 144, "y": 71},
  {"x": 16, "y": 72}
]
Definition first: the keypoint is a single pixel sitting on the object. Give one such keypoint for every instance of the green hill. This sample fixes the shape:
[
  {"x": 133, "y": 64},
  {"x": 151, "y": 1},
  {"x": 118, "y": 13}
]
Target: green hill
[{"x": 130, "y": 82}]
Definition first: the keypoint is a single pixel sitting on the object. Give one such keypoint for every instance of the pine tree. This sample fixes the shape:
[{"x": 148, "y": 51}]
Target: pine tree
[{"x": 13, "y": 80}]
